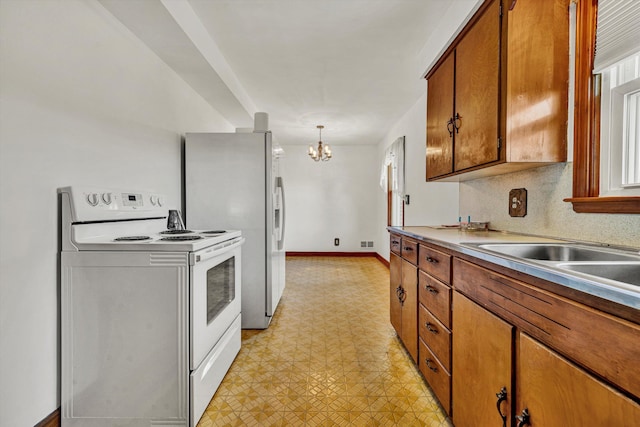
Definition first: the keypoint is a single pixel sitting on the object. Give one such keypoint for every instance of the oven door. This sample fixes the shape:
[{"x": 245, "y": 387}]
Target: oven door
[{"x": 215, "y": 284}]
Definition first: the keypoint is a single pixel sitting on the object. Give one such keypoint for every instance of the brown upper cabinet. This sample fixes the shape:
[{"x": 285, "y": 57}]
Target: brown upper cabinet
[{"x": 497, "y": 98}]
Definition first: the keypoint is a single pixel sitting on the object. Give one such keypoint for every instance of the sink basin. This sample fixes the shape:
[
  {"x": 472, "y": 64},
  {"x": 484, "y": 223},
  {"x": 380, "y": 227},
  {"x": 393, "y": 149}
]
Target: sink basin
[
  {"x": 556, "y": 252},
  {"x": 625, "y": 273}
]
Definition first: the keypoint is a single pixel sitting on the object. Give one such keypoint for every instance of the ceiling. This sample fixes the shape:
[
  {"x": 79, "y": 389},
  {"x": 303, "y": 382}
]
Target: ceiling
[{"x": 353, "y": 66}]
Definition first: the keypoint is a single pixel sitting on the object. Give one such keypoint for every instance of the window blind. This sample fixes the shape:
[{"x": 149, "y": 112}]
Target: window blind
[{"x": 617, "y": 32}]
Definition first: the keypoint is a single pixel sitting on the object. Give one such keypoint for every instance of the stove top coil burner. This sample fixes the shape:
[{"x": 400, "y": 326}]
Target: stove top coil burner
[
  {"x": 176, "y": 232},
  {"x": 181, "y": 238},
  {"x": 214, "y": 232},
  {"x": 131, "y": 238}
]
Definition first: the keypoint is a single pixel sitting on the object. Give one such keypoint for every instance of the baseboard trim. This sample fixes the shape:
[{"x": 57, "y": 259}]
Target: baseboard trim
[
  {"x": 382, "y": 260},
  {"x": 51, "y": 420},
  {"x": 342, "y": 254}
]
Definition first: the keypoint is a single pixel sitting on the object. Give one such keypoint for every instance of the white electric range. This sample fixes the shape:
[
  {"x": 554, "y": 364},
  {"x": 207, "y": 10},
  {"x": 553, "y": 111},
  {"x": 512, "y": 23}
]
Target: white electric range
[{"x": 150, "y": 317}]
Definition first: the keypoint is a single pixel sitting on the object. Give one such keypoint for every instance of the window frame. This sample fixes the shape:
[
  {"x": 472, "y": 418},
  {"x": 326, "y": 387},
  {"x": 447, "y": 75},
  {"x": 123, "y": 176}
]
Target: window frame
[{"x": 586, "y": 150}]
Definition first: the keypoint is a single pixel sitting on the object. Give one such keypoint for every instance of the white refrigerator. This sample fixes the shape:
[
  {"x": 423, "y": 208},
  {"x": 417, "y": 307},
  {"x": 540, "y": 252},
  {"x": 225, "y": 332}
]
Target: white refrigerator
[{"x": 232, "y": 182}]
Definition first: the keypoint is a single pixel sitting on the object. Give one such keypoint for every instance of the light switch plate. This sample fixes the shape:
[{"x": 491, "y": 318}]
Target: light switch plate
[{"x": 518, "y": 202}]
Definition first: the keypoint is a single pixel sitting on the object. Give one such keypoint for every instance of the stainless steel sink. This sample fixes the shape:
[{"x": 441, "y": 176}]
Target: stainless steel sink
[
  {"x": 557, "y": 252},
  {"x": 618, "y": 268},
  {"x": 625, "y": 273}
]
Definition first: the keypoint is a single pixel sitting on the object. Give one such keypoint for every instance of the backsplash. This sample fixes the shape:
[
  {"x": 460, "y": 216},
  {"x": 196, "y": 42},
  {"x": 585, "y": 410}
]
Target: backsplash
[{"x": 487, "y": 199}]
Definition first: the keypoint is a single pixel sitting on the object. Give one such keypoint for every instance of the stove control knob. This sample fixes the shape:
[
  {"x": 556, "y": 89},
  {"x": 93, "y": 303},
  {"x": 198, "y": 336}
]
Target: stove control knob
[
  {"x": 153, "y": 200},
  {"x": 92, "y": 199},
  {"x": 107, "y": 198}
]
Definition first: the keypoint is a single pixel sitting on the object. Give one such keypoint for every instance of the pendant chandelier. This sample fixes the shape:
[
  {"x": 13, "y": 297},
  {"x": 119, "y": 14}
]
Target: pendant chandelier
[{"x": 323, "y": 152}]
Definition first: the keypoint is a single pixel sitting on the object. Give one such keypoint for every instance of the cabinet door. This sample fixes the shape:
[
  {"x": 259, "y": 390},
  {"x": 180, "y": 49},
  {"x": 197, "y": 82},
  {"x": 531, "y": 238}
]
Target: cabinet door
[
  {"x": 482, "y": 355},
  {"x": 537, "y": 81},
  {"x": 410, "y": 308},
  {"x": 439, "y": 112},
  {"x": 477, "y": 100},
  {"x": 557, "y": 393},
  {"x": 395, "y": 284}
]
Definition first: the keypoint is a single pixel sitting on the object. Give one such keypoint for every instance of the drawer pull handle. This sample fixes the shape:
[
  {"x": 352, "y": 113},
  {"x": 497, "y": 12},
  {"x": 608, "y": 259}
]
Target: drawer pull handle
[
  {"x": 430, "y": 328},
  {"x": 431, "y": 260},
  {"x": 523, "y": 418},
  {"x": 408, "y": 248},
  {"x": 395, "y": 242},
  {"x": 431, "y": 289},
  {"x": 429, "y": 363},
  {"x": 502, "y": 396}
]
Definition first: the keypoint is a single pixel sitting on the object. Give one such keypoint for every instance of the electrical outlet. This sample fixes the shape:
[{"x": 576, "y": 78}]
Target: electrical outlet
[
  {"x": 518, "y": 202},
  {"x": 336, "y": 242}
]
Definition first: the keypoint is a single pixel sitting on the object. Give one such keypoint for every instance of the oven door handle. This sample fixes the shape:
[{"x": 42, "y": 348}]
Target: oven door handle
[{"x": 216, "y": 250}]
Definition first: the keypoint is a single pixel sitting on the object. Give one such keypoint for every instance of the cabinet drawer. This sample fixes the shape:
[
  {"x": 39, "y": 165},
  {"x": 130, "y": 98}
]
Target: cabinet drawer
[
  {"x": 436, "y": 296},
  {"x": 574, "y": 330},
  {"x": 410, "y": 250},
  {"x": 438, "y": 378},
  {"x": 396, "y": 244},
  {"x": 436, "y": 336},
  {"x": 436, "y": 263}
]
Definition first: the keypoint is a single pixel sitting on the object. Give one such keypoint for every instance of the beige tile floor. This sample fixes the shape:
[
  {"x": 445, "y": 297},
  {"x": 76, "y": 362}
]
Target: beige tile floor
[{"x": 329, "y": 358}]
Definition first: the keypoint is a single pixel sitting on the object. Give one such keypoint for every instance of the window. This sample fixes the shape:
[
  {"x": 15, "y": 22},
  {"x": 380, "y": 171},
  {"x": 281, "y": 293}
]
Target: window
[
  {"x": 587, "y": 196},
  {"x": 620, "y": 124}
]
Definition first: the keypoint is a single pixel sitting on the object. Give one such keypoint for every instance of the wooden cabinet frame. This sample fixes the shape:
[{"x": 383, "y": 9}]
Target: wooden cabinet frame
[{"x": 586, "y": 155}]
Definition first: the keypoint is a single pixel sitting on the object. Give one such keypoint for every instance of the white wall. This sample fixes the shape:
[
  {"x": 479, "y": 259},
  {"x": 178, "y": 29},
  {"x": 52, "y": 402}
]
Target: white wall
[
  {"x": 81, "y": 102},
  {"x": 430, "y": 203},
  {"x": 331, "y": 199}
]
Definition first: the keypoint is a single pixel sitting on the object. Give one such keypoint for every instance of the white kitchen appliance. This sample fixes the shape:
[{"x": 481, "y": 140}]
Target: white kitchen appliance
[
  {"x": 150, "y": 317},
  {"x": 232, "y": 180}
]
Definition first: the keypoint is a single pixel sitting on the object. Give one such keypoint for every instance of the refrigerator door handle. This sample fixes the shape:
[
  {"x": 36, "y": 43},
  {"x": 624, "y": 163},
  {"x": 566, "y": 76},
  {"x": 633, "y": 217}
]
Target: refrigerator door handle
[{"x": 280, "y": 189}]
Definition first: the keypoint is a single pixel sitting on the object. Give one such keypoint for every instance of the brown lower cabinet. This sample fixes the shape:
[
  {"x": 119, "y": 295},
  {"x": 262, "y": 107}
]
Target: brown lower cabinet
[
  {"x": 403, "y": 302},
  {"x": 549, "y": 389},
  {"x": 555, "y": 392},
  {"x": 499, "y": 350}
]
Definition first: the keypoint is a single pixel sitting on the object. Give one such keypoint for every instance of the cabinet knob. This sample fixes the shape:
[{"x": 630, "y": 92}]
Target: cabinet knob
[
  {"x": 502, "y": 396},
  {"x": 523, "y": 418}
]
